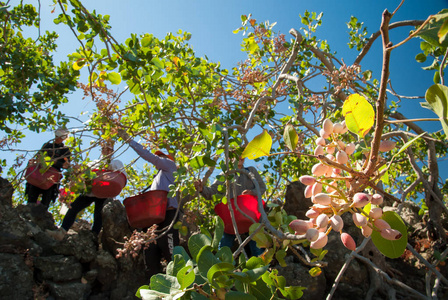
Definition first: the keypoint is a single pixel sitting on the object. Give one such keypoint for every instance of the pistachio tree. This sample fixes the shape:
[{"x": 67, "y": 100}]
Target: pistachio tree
[{"x": 204, "y": 114}]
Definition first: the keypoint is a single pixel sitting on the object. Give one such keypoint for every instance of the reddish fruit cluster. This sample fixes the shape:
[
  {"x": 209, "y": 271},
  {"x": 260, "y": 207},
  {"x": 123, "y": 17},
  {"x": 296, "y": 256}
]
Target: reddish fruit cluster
[
  {"x": 138, "y": 240},
  {"x": 332, "y": 195}
]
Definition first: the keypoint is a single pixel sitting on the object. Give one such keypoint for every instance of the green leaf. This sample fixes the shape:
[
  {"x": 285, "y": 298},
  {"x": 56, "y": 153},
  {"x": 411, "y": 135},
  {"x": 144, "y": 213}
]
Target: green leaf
[
  {"x": 219, "y": 231},
  {"x": 443, "y": 31},
  {"x": 385, "y": 177},
  {"x": 157, "y": 62},
  {"x": 359, "y": 114},
  {"x": 293, "y": 292},
  {"x": 196, "y": 162},
  {"x": 143, "y": 287},
  {"x": 315, "y": 271},
  {"x": 225, "y": 255},
  {"x": 114, "y": 77},
  {"x": 291, "y": 137},
  {"x": 196, "y": 242},
  {"x": 260, "y": 290},
  {"x": 219, "y": 269},
  {"x": 405, "y": 146},
  {"x": 391, "y": 249},
  {"x": 77, "y": 65},
  {"x": 259, "y": 146},
  {"x": 146, "y": 41},
  {"x": 256, "y": 273},
  {"x": 260, "y": 237},
  {"x": 185, "y": 277},
  {"x": 181, "y": 251},
  {"x": 175, "y": 265},
  {"x": 421, "y": 57},
  {"x": 431, "y": 31},
  {"x": 164, "y": 283},
  {"x": 148, "y": 294},
  {"x": 254, "y": 262},
  {"x": 206, "y": 259},
  {"x": 280, "y": 256},
  {"x": 437, "y": 97}
]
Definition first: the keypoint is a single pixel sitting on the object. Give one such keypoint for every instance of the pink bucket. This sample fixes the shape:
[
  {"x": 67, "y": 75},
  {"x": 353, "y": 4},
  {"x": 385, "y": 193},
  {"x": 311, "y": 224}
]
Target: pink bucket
[
  {"x": 108, "y": 184},
  {"x": 147, "y": 209},
  {"x": 248, "y": 204},
  {"x": 42, "y": 180}
]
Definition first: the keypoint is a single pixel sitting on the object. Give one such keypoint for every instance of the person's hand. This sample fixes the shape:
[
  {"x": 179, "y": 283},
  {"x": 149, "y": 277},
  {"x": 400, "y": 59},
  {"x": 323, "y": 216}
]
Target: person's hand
[
  {"x": 248, "y": 192},
  {"x": 198, "y": 185},
  {"x": 123, "y": 135}
]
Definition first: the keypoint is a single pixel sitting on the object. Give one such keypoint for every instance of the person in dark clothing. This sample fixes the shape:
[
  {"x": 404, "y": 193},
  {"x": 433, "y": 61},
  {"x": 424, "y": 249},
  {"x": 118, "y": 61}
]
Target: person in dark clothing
[
  {"x": 86, "y": 199},
  {"x": 60, "y": 156}
]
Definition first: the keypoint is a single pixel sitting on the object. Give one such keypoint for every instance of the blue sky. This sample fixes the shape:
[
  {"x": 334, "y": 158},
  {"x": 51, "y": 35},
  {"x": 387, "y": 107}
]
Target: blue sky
[{"x": 211, "y": 24}]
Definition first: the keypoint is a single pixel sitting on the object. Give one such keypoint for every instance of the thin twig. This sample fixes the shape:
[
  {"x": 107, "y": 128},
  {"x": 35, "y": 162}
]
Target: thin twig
[{"x": 345, "y": 266}]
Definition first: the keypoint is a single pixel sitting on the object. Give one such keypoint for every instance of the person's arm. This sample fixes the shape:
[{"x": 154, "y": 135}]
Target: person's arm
[
  {"x": 260, "y": 181},
  {"x": 160, "y": 163},
  {"x": 208, "y": 191}
]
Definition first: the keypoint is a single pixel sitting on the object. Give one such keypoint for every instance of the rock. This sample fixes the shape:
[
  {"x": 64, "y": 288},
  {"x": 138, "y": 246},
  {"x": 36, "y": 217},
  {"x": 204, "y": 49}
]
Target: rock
[
  {"x": 58, "y": 268},
  {"x": 408, "y": 211},
  {"x": 295, "y": 202},
  {"x": 6, "y": 191},
  {"x": 106, "y": 269},
  {"x": 16, "y": 277},
  {"x": 115, "y": 226},
  {"x": 68, "y": 291},
  {"x": 80, "y": 244}
]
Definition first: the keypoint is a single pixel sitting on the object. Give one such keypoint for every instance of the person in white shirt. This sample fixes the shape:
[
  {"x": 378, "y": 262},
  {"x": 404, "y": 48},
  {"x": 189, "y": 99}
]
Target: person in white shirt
[{"x": 86, "y": 199}]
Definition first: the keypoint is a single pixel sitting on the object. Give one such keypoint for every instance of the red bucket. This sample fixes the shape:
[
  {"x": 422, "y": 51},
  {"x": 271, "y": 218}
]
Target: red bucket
[
  {"x": 146, "y": 209},
  {"x": 108, "y": 184},
  {"x": 43, "y": 181},
  {"x": 248, "y": 204}
]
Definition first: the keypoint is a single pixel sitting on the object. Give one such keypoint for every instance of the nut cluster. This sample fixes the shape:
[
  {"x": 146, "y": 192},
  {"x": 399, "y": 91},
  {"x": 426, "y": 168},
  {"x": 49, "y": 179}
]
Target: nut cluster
[{"x": 330, "y": 194}]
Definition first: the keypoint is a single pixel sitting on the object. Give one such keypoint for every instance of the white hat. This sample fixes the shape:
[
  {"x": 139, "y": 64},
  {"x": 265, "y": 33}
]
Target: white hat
[{"x": 61, "y": 132}]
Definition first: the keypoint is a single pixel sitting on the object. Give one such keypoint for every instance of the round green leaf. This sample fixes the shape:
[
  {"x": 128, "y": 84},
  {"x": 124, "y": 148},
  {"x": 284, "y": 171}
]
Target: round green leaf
[
  {"x": 114, "y": 77},
  {"x": 196, "y": 242},
  {"x": 437, "y": 97},
  {"x": 391, "y": 249}
]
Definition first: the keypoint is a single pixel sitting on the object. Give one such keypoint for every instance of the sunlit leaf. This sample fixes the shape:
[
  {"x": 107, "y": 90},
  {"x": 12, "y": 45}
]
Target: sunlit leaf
[
  {"x": 114, "y": 77},
  {"x": 430, "y": 32},
  {"x": 405, "y": 146},
  {"x": 158, "y": 63},
  {"x": 437, "y": 97},
  {"x": 259, "y": 146},
  {"x": 314, "y": 272},
  {"x": 291, "y": 137},
  {"x": 146, "y": 41},
  {"x": 185, "y": 277},
  {"x": 77, "y": 65},
  {"x": 359, "y": 114}
]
